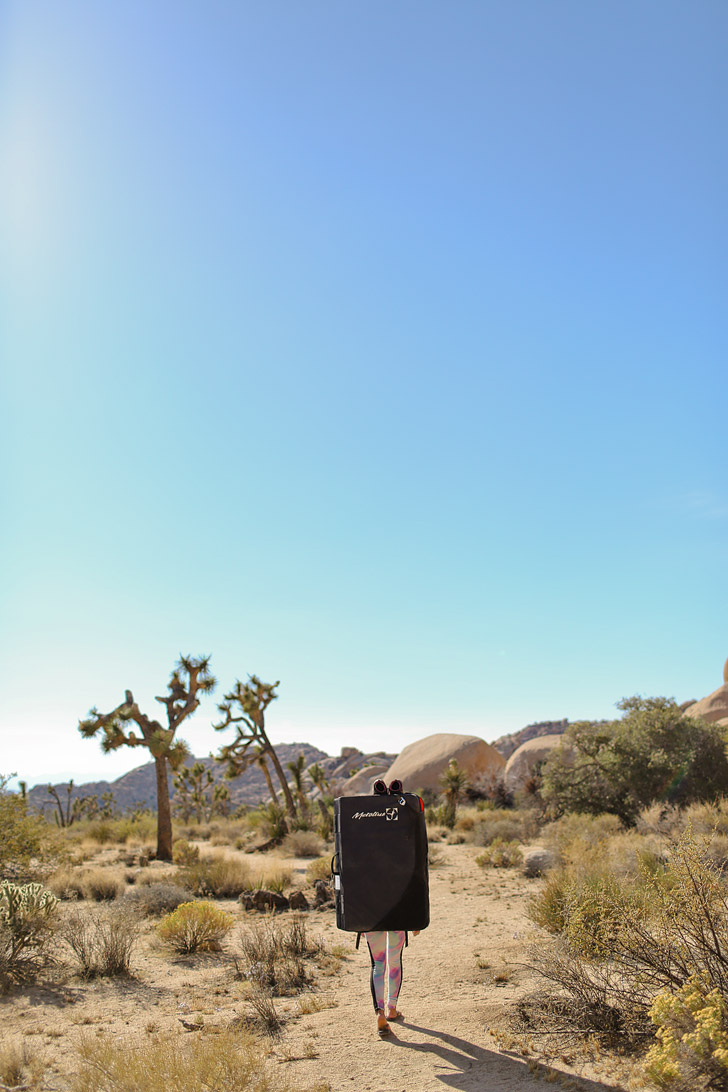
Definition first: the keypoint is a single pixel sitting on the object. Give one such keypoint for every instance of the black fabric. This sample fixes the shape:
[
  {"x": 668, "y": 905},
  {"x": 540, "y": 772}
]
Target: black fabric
[{"x": 381, "y": 853}]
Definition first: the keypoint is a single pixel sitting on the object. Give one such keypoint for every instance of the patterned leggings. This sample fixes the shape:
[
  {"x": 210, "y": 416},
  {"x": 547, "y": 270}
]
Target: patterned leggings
[{"x": 385, "y": 952}]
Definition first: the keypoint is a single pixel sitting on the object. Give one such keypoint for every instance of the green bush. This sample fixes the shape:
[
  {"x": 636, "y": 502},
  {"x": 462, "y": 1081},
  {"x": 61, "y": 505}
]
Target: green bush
[
  {"x": 653, "y": 753},
  {"x": 23, "y": 836},
  {"x": 195, "y": 927}
]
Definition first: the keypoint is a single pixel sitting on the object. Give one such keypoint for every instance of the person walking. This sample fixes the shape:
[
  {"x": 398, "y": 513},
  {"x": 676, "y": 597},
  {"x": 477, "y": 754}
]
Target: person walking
[{"x": 385, "y": 953}]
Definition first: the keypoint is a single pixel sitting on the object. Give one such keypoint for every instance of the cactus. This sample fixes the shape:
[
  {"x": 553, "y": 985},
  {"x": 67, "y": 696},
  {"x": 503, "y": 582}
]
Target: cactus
[
  {"x": 26, "y": 912},
  {"x": 19, "y": 902}
]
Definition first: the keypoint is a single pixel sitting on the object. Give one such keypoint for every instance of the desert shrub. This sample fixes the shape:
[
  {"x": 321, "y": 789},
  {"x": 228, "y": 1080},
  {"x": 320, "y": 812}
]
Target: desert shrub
[
  {"x": 575, "y": 838},
  {"x": 435, "y": 858},
  {"x": 150, "y": 876},
  {"x": 659, "y": 818},
  {"x": 27, "y": 923},
  {"x": 184, "y": 852},
  {"x": 302, "y": 843},
  {"x": 585, "y": 903},
  {"x": 270, "y": 820},
  {"x": 156, "y": 898},
  {"x": 66, "y": 882},
  {"x": 705, "y": 818},
  {"x": 195, "y": 927},
  {"x": 271, "y": 879},
  {"x": 629, "y": 942},
  {"x": 23, "y": 836},
  {"x": 508, "y": 826},
  {"x": 228, "y": 1062},
  {"x": 101, "y": 885},
  {"x": 500, "y": 854},
  {"x": 320, "y": 869},
  {"x": 102, "y": 941},
  {"x": 691, "y": 1051},
  {"x": 217, "y": 877},
  {"x": 271, "y": 956}
]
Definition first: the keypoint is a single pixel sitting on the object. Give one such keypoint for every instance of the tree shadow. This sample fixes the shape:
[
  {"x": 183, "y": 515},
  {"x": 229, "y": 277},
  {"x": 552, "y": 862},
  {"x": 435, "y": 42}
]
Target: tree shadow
[{"x": 470, "y": 1059}]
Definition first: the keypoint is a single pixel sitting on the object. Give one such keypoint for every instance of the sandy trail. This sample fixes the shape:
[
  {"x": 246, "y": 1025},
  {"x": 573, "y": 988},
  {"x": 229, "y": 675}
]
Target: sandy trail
[{"x": 460, "y": 975}]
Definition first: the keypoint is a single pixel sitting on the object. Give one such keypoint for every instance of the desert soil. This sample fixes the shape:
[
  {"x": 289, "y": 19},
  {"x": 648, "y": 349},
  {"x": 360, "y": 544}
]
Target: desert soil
[{"x": 462, "y": 978}]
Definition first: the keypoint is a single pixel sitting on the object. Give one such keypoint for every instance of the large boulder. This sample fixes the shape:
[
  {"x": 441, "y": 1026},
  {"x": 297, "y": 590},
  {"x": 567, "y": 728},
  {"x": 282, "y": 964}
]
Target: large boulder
[
  {"x": 361, "y": 783},
  {"x": 524, "y": 760},
  {"x": 713, "y": 708},
  {"x": 420, "y": 765}
]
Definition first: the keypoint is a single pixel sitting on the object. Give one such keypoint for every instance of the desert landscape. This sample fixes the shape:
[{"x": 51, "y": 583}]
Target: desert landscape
[{"x": 462, "y": 977}]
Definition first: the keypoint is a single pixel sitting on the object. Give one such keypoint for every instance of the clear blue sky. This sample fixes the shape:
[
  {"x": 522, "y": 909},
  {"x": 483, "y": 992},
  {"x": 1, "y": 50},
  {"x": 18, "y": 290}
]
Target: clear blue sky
[{"x": 379, "y": 348}]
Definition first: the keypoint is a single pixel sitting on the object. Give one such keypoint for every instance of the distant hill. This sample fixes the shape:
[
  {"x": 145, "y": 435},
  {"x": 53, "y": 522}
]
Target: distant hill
[{"x": 139, "y": 786}]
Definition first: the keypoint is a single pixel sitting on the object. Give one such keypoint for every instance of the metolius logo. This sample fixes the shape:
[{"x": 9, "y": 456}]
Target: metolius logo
[
  {"x": 371, "y": 814},
  {"x": 392, "y": 815}
]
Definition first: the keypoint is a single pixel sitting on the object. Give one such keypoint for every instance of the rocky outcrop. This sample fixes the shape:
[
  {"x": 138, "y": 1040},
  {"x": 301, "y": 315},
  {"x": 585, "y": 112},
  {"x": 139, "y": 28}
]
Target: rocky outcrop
[
  {"x": 361, "y": 783},
  {"x": 527, "y": 758},
  {"x": 509, "y": 743},
  {"x": 714, "y": 707},
  {"x": 420, "y": 765}
]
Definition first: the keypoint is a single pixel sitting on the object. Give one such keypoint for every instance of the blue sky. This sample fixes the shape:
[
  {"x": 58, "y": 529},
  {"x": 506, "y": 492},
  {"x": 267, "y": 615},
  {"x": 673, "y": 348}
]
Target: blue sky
[{"x": 376, "y": 348}]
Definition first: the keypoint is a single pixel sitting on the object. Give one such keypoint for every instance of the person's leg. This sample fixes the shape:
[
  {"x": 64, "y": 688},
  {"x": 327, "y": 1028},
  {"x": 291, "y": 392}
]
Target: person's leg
[
  {"x": 377, "y": 945},
  {"x": 395, "y": 944}
]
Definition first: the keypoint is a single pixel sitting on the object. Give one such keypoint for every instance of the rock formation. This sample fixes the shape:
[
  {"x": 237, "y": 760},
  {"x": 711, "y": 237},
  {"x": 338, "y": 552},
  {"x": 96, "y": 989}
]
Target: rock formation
[
  {"x": 714, "y": 707},
  {"x": 522, "y": 762},
  {"x": 420, "y": 765}
]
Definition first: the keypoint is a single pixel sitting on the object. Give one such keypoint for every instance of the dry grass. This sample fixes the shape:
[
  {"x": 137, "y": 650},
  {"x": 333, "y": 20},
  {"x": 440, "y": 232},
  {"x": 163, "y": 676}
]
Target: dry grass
[
  {"x": 320, "y": 869},
  {"x": 102, "y": 884},
  {"x": 102, "y": 941},
  {"x": 19, "y": 1068},
  {"x": 156, "y": 898},
  {"x": 302, "y": 843},
  {"x": 273, "y": 956},
  {"x": 217, "y": 876},
  {"x": 231, "y": 1061}
]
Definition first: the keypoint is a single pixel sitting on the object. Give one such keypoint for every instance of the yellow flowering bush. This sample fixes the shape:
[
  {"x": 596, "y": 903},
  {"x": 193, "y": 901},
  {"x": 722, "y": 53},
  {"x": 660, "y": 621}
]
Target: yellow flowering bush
[
  {"x": 195, "y": 927},
  {"x": 691, "y": 1051}
]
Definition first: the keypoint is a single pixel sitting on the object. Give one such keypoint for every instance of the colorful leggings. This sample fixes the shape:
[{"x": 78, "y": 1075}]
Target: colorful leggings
[{"x": 385, "y": 952}]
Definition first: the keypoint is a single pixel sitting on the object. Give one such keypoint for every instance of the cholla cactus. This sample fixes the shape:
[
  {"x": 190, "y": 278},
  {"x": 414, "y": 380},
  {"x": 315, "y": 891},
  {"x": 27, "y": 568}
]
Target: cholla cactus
[
  {"x": 26, "y": 925},
  {"x": 19, "y": 902}
]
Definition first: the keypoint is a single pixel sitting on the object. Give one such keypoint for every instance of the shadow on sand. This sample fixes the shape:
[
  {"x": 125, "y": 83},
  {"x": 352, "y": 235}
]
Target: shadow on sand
[{"x": 471, "y": 1066}]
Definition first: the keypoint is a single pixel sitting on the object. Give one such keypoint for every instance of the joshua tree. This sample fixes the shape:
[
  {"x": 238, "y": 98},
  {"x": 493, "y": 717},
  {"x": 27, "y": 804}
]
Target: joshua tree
[
  {"x": 191, "y": 677},
  {"x": 298, "y": 770},
  {"x": 195, "y": 791},
  {"x": 244, "y": 708},
  {"x": 454, "y": 782},
  {"x": 65, "y": 816}
]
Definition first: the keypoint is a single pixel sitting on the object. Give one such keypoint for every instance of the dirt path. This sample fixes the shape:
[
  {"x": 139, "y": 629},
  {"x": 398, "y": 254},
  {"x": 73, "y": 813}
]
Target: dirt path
[{"x": 459, "y": 976}]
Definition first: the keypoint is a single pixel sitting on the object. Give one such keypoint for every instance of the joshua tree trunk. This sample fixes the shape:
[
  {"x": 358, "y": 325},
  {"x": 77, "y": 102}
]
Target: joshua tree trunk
[
  {"x": 269, "y": 780},
  {"x": 164, "y": 814},
  {"x": 290, "y": 803}
]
